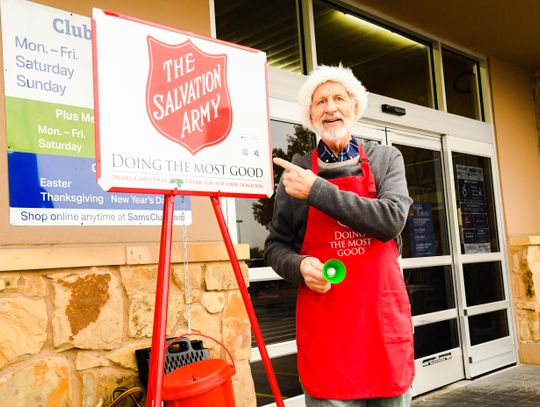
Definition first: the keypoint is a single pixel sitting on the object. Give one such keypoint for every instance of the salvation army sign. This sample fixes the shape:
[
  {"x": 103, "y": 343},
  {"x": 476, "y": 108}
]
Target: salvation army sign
[
  {"x": 177, "y": 112},
  {"x": 187, "y": 97}
]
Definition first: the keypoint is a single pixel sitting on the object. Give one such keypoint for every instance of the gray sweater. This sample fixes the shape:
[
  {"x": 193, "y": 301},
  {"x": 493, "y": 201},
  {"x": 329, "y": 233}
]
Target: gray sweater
[{"x": 382, "y": 218}]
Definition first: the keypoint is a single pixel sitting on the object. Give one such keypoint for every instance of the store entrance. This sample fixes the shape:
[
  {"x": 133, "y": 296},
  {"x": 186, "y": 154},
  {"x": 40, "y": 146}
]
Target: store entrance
[
  {"x": 452, "y": 262},
  {"x": 453, "y": 259},
  {"x": 427, "y": 264}
]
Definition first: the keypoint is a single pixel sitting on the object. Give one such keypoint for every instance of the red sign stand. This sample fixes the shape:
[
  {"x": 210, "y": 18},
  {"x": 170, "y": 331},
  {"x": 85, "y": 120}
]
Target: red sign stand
[{"x": 157, "y": 354}]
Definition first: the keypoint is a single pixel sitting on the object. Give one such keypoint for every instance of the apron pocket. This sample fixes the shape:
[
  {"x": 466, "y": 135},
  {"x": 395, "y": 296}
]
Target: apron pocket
[
  {"x": 312, "y": 308},
  {"x": 396, "y": 313}
]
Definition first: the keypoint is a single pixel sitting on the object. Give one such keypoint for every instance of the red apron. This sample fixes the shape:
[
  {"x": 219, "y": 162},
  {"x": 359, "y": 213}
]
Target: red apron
[{"x": 356, "y": 340}]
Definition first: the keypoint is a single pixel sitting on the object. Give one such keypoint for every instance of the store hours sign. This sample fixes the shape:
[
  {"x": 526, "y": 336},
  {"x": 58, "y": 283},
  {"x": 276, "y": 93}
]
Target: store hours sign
[
  {"x": 179, "y": 113},
  {"x": 47, "y": 55}
]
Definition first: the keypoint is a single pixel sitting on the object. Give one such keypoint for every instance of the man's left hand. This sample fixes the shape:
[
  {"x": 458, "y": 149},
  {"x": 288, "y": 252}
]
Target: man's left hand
[{"x": 296, "y": 180}]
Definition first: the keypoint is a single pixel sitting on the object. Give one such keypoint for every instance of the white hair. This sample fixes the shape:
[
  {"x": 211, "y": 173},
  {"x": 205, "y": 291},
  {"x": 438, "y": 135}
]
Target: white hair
[{"x": 324, "y": 74}]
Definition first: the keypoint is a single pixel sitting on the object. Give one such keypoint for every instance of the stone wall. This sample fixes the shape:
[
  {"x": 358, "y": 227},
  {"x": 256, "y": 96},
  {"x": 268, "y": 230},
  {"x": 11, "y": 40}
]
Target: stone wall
[
  {"x": 68, "y": 334},
  {"x": 525, "y": 260}
]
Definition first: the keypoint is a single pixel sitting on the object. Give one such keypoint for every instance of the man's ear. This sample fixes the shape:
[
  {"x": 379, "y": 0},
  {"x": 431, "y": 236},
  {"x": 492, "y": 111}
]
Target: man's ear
[{"x": 356, "y": 109}]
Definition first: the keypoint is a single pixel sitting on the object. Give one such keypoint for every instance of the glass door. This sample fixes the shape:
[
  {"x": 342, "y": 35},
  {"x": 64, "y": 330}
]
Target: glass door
[
  {"x": 427, "y": 264},
  {"x": 485, "y": 312}
]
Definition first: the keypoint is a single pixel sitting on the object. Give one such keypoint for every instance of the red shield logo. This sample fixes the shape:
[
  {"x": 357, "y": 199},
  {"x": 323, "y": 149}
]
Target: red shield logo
[{"x": 187, "y": 98}]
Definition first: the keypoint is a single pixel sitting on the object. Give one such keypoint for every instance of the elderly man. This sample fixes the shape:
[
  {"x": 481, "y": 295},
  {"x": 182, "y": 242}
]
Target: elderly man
[{"x": 346, "y": 200}]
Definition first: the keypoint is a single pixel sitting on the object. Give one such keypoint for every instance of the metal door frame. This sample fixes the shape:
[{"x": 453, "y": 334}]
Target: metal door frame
[
  {"x": 441, "y": 368},
  {"x": 491, "y": 355}
]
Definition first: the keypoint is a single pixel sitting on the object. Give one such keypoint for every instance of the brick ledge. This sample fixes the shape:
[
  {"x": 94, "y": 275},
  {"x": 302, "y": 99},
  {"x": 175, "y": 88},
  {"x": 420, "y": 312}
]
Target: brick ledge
[
  {"x": 48, "y": 257},
  {"x": 533, "y": 240}
]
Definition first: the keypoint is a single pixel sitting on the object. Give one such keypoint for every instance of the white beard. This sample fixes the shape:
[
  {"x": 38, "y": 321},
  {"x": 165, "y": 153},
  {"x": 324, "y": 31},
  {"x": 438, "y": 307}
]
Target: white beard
[{"x": 334, "y": 135}]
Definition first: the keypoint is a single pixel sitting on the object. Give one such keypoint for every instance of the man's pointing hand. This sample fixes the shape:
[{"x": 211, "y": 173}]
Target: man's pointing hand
[{"x": 296, "y": 180}]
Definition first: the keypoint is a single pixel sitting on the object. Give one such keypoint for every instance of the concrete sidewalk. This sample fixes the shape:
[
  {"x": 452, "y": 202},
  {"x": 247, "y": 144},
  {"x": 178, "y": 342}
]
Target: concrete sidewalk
[{"x": 515, "y": 386}]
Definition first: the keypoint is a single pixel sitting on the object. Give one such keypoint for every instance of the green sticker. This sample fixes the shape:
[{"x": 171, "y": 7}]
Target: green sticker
[{"x": 177, "y": 181}]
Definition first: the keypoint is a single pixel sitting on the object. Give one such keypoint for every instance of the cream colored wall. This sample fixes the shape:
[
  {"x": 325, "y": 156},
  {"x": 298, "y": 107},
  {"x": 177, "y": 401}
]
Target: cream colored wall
[
  {"x": 192, "y": 16},
  {"x": 517, "y": 147}
]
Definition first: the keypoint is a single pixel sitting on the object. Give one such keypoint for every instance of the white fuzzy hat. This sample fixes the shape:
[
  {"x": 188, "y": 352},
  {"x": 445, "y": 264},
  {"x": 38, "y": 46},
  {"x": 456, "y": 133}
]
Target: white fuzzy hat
[{"x": 324, "y": 74}]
